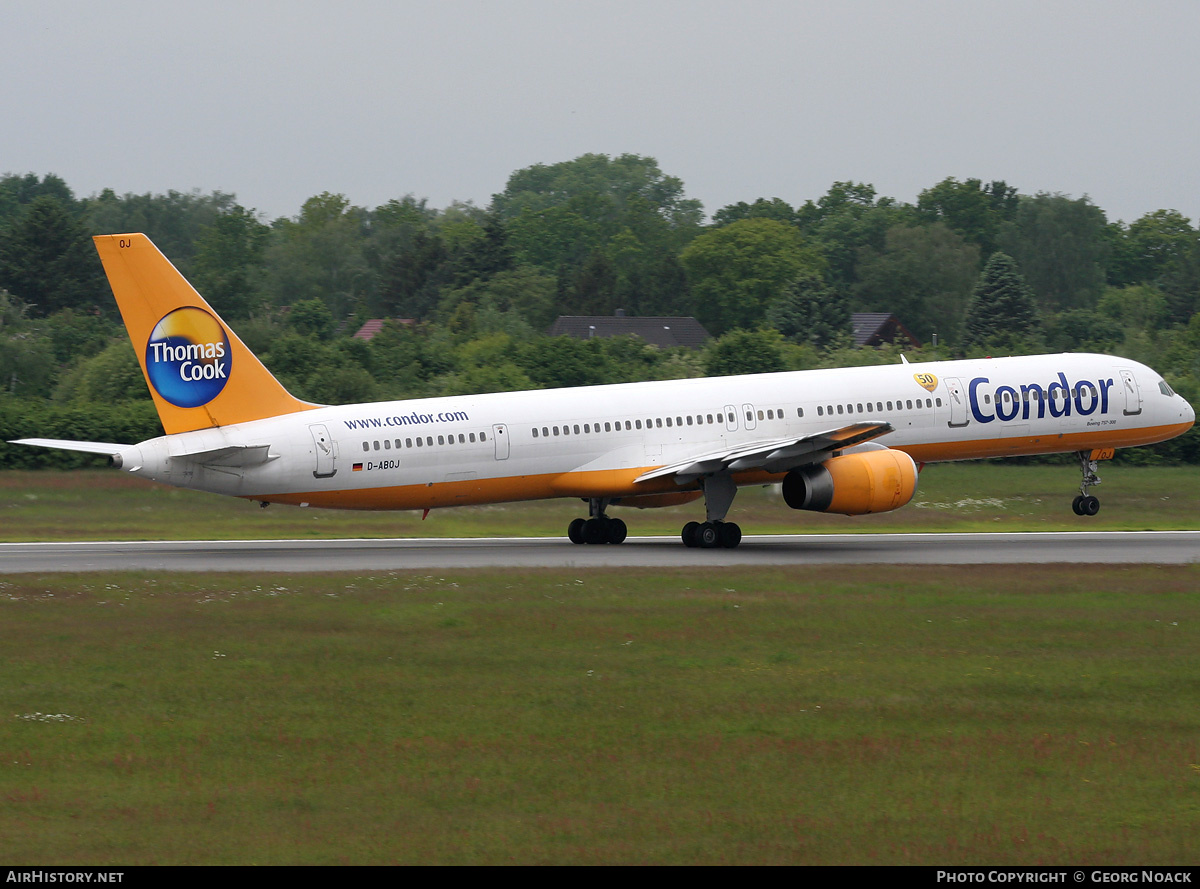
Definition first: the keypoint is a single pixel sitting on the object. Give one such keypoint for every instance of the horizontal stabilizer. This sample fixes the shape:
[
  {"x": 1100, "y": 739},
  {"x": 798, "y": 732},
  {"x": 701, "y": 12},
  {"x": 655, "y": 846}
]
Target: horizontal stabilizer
[
  {"x": 235, "y": 455},
  {"x": 88, "y": 447}
]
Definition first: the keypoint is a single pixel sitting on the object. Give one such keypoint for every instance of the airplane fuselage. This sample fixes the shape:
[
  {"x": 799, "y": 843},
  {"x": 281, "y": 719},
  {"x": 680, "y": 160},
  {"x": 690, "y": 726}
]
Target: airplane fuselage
[{"x": 596, "y": 442}]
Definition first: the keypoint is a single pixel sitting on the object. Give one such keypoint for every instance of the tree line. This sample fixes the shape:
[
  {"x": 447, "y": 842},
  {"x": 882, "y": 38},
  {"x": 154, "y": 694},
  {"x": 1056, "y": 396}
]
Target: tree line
[{"x": 470, "y": 291}]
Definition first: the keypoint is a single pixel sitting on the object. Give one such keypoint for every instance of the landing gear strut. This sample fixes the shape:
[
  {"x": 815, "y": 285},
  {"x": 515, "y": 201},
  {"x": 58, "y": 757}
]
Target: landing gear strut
[
  {"x": 1085, "y": 503},
  {"x": 719, "y": 491},
  {"x": 599, "y": 528}
]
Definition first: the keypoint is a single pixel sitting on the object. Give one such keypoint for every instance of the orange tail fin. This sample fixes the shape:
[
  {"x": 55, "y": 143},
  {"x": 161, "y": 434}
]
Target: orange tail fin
[{"x": 199, "y": 373}]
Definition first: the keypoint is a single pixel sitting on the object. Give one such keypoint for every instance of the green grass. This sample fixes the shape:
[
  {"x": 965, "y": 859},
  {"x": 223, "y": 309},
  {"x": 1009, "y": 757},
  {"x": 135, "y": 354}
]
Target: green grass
[
  {"x": 106, "y": 504},
  {"x": 799, "y": 716}
]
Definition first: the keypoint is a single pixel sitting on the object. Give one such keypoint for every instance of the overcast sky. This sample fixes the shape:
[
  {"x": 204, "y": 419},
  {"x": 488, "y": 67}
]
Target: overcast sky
[{"x": 278, "y": 101}]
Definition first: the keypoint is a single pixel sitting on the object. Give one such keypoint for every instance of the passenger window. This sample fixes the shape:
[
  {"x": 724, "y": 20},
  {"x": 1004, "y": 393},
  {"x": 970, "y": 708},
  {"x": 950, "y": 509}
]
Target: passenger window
[
  {"x": 366, "y": 446},
  {"x": 387, "y": 445},
  {"x": 710, "y": 419},
  {"x": 483, "y": 436},
  {"x": 472, "y": 438},
  {"x": 419, "y": 443},
  {"x": 820, "y": 411},
  {"x": 408, "y": 442},
  {"x": 440, "y": 440},
  {"x": 760, "y": 415},
  {"x": 377, "y": 446},
  {"x": 800, "y": 411}
]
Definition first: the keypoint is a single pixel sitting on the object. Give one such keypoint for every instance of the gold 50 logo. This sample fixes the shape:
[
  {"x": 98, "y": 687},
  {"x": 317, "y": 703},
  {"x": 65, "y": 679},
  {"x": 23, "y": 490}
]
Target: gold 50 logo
[
  {"x": 188, "y": 357},
  {"x": 928, "y": 382}
]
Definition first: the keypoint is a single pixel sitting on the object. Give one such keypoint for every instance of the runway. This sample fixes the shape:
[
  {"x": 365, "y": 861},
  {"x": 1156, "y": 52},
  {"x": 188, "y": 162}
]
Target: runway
[{"x": 289, "y": 556}]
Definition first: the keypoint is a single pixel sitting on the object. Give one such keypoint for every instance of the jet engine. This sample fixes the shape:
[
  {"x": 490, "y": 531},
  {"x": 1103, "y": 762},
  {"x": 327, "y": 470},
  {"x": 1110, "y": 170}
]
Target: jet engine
[{"x": 853, "y": 484}]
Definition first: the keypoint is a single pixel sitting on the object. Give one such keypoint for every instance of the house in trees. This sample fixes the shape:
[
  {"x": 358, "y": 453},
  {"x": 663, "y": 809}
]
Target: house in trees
[
  {"x": 877, "y": 328},
  {"x": 662, "y": 331},
  {"x": 367, "y": 331}
]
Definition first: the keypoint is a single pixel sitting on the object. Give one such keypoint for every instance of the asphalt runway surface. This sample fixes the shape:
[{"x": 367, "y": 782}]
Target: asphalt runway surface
[{"x": 284, "y": 556}]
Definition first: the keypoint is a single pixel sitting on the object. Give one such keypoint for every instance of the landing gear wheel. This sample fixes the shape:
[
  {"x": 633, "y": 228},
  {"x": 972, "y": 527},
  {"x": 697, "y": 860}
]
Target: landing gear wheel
[
  {"x": 1090, "y": 505},
  {"x": 730, "y": 534},
  {"x": 708, "y": 535},
  {"x": 615, "y": 531},
  {"x": 575, "y": 530},
  {"x": 689, "y": 534},
  {"x": 594, "y": 531}
]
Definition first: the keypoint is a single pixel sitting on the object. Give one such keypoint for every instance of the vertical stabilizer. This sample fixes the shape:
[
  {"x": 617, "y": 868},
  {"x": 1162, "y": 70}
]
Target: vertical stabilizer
[{"x": 199, "y": 373}]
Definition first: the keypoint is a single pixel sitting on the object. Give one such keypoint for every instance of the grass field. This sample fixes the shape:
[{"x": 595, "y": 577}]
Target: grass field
[
  {"x": 110, "y": 505},
  {"x": 810, "y": 715}
]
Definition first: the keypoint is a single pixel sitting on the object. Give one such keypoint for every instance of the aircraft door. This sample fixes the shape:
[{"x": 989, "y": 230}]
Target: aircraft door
[
  {"x": 1133, "y": 395},
  {"x": 500, "y": 436},
  {"x": 957, "y": 397},
  {"x": 731, "y": 418},
  {"x": 748, "y": 412},
  {"x": 326, "y": 451}
]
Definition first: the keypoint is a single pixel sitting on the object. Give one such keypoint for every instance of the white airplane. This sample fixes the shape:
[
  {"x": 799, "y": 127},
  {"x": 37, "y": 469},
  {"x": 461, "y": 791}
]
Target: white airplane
[{"x": 845, "y": 440}]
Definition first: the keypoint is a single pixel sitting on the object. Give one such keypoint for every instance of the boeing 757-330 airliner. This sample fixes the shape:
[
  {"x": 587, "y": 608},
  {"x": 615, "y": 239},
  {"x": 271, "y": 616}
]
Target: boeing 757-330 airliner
[{"x": 845, "y": 440}]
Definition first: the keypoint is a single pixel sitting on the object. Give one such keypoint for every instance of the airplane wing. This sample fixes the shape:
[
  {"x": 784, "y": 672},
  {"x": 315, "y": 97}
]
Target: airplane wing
[{"x": 777, "y": 455}]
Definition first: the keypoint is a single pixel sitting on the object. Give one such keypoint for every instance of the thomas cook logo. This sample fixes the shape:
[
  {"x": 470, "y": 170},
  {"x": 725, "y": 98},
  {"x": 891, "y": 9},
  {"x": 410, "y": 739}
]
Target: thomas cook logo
[{"x": 188, "y": 357}]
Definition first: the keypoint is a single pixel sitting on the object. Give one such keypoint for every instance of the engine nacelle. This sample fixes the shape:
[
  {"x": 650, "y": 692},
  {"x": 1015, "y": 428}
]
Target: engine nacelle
[{"x": 853, "y": 484}]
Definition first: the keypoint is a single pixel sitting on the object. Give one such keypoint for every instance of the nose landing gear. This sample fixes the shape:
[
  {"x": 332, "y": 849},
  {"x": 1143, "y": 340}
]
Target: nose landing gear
[{"x": 1086, "y": 504}]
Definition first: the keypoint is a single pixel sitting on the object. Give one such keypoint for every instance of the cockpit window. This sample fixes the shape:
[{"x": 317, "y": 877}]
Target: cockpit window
[{"x": 1164, "y": 388}]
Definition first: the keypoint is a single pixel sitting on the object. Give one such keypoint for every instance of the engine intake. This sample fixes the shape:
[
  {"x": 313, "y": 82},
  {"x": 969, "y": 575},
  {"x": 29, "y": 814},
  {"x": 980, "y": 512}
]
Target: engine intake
[{"x": 853, "y": 484}]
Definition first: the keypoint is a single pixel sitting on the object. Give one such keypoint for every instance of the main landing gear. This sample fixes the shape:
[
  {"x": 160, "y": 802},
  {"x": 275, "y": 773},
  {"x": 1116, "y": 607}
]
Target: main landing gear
[
  {"x": 1086, "y": 504},
  {"x": 599, "y": 528},
  {"x": 719, "y": 491}
]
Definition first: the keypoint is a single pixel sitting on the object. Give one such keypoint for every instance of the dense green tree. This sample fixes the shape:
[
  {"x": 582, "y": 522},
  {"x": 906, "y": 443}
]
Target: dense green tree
[
  {"x": 976, "y": 211},
  {"x": 320, "y": 255},
  {"x": 923, "y": 275},
  {"x": 47, "y": 260},
  {"x": 1061, "y": 245},
  {"x": 1002, "y": 313},
  {"x": 27, "y": 365},
  {"x": 844, "y": 221},
  {"x": 736, "y": 270},
  {"x": 16, "y": 191},
  {"x": 1162, "y": 249},
  {"x": 775, "y": 208},
  {"x": 745, "y": 352},
  {"x": 229, "y": 267},
  {"x": 810, "y": 311},
  {"x": 560, "y": 216},
  {"x": 174, "y": 221}
]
